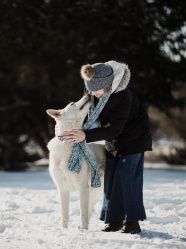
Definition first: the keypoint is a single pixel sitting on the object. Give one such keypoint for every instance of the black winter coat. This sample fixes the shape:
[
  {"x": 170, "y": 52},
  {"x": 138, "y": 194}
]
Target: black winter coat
[{"x": 124, "y": 123}]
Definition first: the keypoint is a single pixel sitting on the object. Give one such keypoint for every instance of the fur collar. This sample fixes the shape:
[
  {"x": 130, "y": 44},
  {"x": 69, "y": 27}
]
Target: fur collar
[{"x": 121, "y": 75}]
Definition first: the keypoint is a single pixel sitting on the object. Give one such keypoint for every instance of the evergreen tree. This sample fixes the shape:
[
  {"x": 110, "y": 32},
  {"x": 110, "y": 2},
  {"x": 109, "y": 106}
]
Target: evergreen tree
[{"x": 44, "y": 43}]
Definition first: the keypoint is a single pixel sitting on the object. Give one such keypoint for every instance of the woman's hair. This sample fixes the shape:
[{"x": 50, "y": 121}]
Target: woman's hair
[{"x": 107, "y": 89}]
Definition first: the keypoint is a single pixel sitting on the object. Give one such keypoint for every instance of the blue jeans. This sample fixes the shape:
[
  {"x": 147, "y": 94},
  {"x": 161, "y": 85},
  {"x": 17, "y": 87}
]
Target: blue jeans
[{"x": 123, "y": 189}]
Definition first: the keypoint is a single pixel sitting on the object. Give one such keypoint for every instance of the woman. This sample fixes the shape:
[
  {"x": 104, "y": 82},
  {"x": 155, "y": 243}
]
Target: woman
[{"x": 125, "y": 127}]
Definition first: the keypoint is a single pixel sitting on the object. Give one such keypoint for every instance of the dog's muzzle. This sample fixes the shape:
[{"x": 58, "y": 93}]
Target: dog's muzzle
[{"x": 86, "y": 101}]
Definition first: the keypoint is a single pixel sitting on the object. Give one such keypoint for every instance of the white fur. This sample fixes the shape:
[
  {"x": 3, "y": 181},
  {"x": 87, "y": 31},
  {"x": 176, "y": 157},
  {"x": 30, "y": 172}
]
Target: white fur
[
  {"x": 66, "y": 181},
  {"x": 121, "y": 75}
]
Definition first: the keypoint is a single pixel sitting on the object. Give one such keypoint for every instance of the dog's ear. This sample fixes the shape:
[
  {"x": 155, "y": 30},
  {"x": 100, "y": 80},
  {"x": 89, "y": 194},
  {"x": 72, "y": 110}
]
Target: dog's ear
[{"x": 54, "y": 113}]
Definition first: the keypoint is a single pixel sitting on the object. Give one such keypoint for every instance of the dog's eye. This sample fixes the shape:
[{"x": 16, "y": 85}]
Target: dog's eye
[{"x": 72, "y": 103}]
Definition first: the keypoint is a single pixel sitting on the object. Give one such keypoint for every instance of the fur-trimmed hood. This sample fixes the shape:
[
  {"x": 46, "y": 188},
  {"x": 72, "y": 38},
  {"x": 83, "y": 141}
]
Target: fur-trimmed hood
[{"x": 121, "y": 75}]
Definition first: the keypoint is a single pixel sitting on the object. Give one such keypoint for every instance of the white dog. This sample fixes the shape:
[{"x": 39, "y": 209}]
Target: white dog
[{"x": 72, "y": 116}]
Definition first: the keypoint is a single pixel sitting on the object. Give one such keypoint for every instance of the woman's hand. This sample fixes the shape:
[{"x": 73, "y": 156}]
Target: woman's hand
[{"x": 73, "y": 136}]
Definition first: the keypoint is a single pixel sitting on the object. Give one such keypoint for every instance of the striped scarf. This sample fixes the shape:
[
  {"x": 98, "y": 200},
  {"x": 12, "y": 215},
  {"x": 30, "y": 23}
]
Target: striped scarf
[{"x": 79, "y": 149}]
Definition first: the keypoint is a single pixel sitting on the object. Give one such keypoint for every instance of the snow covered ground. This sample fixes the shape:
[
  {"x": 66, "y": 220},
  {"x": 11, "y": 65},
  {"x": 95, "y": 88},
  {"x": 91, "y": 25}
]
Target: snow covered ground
[{"x": 30, "y": 219}]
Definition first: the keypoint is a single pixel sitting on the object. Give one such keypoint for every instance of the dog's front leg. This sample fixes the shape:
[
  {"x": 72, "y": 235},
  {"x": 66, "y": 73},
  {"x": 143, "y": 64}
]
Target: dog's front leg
[
  {"x": 64, "y": 202},
  {"x": 84, "y": 206}
]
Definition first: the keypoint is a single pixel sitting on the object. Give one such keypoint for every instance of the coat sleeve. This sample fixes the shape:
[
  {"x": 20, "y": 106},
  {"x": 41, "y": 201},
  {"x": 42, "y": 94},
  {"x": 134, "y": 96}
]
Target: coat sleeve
[{"x": 118, "y": 118}]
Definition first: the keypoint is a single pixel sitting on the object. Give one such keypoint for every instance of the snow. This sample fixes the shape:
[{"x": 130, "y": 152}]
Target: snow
[
  {"x": 167, "y": 146},
  {"x": 30, "y": 217}
]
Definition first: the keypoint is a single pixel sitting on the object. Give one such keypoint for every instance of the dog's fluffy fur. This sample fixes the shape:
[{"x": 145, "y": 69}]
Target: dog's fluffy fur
[{"x": 72, "y": 116}]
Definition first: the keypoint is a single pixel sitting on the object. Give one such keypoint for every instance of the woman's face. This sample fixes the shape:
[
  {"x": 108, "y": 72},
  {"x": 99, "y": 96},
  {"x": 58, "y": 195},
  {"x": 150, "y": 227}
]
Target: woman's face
[{"x": 99, "y": 93}]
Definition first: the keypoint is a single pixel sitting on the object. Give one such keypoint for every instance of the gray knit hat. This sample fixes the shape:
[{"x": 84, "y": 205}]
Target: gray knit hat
[{"x": 97, "y": 76}]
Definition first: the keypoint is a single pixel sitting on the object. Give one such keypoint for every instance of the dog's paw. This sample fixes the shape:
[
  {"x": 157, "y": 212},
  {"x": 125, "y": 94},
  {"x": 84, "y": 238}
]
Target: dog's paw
[
  {"x": 64, "y": 225},
  {"x": 83, "y": 227}
]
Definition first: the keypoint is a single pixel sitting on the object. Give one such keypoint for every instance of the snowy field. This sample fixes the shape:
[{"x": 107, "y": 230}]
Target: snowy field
[{"x": 29, "y": 215}]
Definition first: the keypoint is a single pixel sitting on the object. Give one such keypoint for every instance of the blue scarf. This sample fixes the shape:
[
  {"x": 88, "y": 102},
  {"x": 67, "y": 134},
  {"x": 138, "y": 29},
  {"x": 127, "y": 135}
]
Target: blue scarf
[{"x": 79, "y": 149}]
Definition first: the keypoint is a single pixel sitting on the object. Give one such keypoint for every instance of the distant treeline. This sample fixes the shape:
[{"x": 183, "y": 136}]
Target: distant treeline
[{"x": 43, "y": 45}]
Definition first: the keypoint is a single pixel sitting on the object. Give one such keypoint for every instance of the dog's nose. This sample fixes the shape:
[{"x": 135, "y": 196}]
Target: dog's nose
[{"x": 86, "y": 101}]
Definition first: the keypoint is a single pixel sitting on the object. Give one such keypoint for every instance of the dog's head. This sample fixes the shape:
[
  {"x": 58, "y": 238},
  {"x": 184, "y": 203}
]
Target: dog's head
[{"x": 72, "y": 116}]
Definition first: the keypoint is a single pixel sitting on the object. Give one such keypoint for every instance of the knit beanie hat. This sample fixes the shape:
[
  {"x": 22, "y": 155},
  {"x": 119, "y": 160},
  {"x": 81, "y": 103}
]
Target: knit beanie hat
[{"x": 97, "y": 76}]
